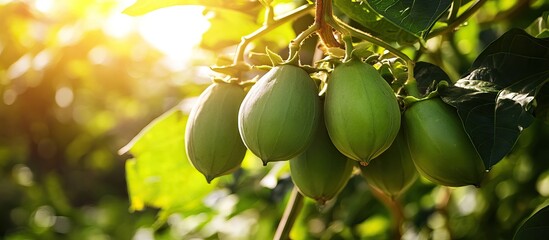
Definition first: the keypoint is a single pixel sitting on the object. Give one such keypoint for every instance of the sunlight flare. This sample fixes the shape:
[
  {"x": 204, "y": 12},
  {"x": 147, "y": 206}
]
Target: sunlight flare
[{"x": 175, "y": 31}]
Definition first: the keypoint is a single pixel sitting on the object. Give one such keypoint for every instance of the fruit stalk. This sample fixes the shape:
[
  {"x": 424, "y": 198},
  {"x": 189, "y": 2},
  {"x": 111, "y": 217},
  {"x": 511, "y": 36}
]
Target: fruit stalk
[
  {"x": 323, "y": 8},
  {"x": 411, "y": 85},
  {"x": 294, "y": 206}
]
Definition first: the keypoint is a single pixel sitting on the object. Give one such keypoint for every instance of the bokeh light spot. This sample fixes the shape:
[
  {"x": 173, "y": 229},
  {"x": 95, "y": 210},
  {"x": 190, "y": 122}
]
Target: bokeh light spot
[
  {"x": 41, "y": 60},
  {"x": 20, "y": 67},
  {"x": 9, "y": 96},
  {"x": 44, "y": 217},
  {"x": 542, "y": 185},
  {"x": 23, "y": 175},
  {"x": 64, "y": 97}
]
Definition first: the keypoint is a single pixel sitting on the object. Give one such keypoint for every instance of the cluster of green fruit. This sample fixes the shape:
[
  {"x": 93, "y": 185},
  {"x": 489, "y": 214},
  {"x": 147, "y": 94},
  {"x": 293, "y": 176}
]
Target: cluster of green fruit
[{"x": 282, "y": 117}]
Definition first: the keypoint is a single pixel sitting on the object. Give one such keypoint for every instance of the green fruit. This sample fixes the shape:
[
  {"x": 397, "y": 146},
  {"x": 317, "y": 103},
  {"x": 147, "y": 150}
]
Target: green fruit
[
  {"x": 361, "y": 110},
  {"x": 321, "y": 171},
  {"x": 278, "y": 117},
  {"x": 440, "y": 148},
  {"x": 212, "y": 140},
  {"x": 392, "y": 172}
]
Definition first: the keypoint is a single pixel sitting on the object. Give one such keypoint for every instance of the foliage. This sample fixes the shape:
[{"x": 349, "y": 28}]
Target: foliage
[
  {"x": 402, "y": 21},
  {"x": 497, "y": 99},
  {"x": 501, "y": 85},
  {"x": 73, "y": 93}
]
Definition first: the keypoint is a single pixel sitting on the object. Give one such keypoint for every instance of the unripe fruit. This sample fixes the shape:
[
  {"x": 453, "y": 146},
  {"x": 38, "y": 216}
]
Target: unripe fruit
[
  {"x": 212, "y": 140},
  {"x": 393, "y": 171},
  {"x": 439, "y": 146},
  {"x": 279, "y": 116},
  {"x": 361, "y": 110},
  {"x": 321, "y": 171}
]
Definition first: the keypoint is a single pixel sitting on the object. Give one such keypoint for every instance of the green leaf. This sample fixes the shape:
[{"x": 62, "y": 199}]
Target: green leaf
[
  {"x": 160, "y": 175},
  {"x": 227, "y": 28},
  {"x": 278, "y": 38},
  {"x": 540, "y": 27},
  {"x": 542, "y": 109},
  {"x": 372, "y": 22},
  {"x": 494, "y": 99},
  {"x": 535, "y": 227},
  {"x": 361, "y": 50},
  {"x": 415, "y": 17},
  {"x": 141, "y": 7},
  {"x": 404, "y": 21},
  {"x": 275, "y": 58}
]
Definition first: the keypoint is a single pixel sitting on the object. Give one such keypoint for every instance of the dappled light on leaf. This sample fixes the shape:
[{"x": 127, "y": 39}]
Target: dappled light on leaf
[
  {"x": 395, "y": 20},
  {"x": 416, "y": 17},
  {"x": 160, "y": 167}
]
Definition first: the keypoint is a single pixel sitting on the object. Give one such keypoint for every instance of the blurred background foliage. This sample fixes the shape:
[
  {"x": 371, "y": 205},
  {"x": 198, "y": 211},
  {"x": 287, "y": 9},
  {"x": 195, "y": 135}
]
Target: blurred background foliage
[
  {"x": 78, "y": 81},
  {"x": 75, "y": 86}
]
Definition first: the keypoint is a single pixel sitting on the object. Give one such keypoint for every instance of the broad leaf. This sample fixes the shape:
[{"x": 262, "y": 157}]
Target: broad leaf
[
  {"x": 542, "y": 109},
  {"x": 540, "y": 27},
  {"x": 160, "y": 175},
  {"x": 405, "y": 21},
  {"x": 415, "y": 17},
  {"x": 536, "y": 227},
  {"x": 141, "y": 7},
  {"x": 227, "y": 28},
  {"x": 372, "y": 22},
  {"x": 494, "y": 99}
]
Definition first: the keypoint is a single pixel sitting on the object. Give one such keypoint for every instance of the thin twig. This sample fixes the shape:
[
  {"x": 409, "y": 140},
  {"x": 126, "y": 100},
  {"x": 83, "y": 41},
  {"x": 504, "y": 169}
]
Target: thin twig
[
  {"x": 458, "y": 21},
  {"x": 294, "y": 206},
  {"x": 295, "y": 44},
  {"x": 395, "y": 208}
]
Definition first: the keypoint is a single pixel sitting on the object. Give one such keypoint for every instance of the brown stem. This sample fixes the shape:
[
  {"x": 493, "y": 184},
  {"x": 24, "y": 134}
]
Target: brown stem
[
  {"x": 293, "y": 207},
  {"x": 325, "y": 30}
]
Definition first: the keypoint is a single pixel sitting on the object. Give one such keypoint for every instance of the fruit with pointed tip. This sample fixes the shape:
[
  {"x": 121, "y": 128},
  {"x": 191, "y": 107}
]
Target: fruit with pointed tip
[
  {"x": 362, "y": 113},
  {"x": 278, "y": 117},
  {"x": 212, "y": 141},
  {"x": 392, "y": 172},
  {"x": 321, "y": 171}
]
